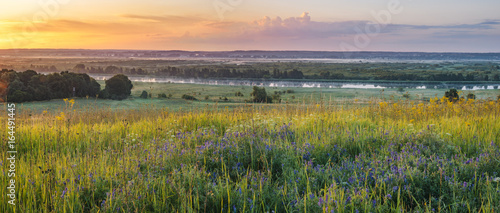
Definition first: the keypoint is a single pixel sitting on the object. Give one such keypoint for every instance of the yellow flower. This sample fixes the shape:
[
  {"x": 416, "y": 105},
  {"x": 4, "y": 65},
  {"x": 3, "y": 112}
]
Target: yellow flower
[
  {"x": 412, "y": 120},
  {"x": 72, "y": 101},
  {"x": 61, "y": 117},
  {"x": 383, "y": 104},
  {"x": 65, "y": 100}
]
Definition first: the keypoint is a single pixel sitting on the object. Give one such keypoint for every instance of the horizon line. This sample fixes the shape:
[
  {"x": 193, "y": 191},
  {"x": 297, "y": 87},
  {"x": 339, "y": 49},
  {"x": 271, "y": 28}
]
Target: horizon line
[{"x": 249, "y": 50}]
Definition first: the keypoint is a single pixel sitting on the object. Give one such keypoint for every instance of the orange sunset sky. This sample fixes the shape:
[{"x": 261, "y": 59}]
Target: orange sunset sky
[{"x": 333, "y": 25}]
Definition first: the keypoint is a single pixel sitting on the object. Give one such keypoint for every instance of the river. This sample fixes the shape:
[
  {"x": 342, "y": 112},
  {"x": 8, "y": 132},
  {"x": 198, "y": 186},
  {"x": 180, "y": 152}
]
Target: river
[{"x": 311, "y": 84}]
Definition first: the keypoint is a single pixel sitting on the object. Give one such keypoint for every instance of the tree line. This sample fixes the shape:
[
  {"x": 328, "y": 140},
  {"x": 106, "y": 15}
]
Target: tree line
[
  {"x": 32, "y": 86},
  {"x": 196, "y": 72},
  {"x": 249, "y": 71}
]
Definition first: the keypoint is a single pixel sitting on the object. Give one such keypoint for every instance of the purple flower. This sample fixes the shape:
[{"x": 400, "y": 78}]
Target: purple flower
[
  {"x": 64, "y": 192},
  {"x": 320, "y": 202}
]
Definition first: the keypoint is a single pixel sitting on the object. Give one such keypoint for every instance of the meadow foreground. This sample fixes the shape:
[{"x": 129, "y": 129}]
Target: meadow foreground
[{"x": 377, "y": 156}]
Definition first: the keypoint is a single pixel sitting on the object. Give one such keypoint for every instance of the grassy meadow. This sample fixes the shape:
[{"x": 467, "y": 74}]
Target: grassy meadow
[
  {"x": 351, "y": 153},
  {"x": 212, "y": 97}
]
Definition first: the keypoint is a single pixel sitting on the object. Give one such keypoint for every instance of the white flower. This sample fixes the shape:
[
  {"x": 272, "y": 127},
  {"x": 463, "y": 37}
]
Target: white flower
[{"x": 497, "y": 179}]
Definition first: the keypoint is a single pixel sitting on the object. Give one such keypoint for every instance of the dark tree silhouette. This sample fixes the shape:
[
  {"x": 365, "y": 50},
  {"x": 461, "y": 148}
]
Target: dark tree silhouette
[{"x": 118, "y": 88}]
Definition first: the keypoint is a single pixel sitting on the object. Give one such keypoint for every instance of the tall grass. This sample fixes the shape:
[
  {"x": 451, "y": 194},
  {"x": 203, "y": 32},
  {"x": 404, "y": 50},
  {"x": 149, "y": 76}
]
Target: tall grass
[{"x": 369, "y": 157}]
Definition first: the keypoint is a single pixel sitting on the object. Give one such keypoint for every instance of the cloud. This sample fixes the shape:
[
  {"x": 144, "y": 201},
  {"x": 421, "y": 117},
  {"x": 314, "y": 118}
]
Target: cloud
[
  {"x": 486, "y": 25},
  {"x": 299, "y": 32},
  {"x": 165, "y": 19}
]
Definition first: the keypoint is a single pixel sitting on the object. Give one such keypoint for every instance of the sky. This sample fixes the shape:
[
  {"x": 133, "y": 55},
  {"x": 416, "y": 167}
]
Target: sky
[{"x": 223, "y": 25}]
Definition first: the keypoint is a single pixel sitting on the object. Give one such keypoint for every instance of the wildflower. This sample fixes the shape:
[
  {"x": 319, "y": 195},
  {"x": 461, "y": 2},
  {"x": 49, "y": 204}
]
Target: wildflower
[
  {"x": 497, "y": 179},
  {"x": 61, "y": 117},
  {"x": 388, "y": 196},
  {"x": 64, "y": 192}
]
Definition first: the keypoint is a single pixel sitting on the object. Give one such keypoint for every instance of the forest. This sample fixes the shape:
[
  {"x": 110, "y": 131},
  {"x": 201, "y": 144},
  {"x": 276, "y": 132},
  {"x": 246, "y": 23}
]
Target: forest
[{"x": 32, "y": 86}]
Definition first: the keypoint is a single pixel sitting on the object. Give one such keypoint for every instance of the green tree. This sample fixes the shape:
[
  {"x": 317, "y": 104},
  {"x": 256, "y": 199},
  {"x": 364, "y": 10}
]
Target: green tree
[
  {"x": 16, "y": 92},
  {"x": 118, "y": 87},
  {"x": 79, "y": 68},
  {"x": 452, "y": 95},
  {"x": 259, "y": 95}
]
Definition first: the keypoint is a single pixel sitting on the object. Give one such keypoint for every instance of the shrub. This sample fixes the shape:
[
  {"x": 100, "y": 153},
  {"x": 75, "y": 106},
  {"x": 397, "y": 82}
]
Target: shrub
[
  {"x": 471, "y": 96},
  {"x": 238, "y": 94},
  {"x": 162, "y": 95},
  {"x": 207, "y": 97},
  {"x": 277, "y": 98},
  {"x": 406, "y": 95},
  {"x": 188, "y": 97},
  {"x": 452, "y": 95},
  {"x": 259, "y": 95},
  {"x": 144, "y": 94}
]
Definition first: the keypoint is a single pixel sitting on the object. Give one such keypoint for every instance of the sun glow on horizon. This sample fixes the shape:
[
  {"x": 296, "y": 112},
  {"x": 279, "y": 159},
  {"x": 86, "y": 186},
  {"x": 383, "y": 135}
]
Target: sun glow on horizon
[{"x": 219, "y": 25}]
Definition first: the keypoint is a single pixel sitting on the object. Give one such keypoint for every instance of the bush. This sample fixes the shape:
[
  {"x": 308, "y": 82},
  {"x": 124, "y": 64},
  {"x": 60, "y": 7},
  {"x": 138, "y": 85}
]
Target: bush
[
  {"x": 276, "y": 98},
  {"x": 406, "y": 95},
  {"x": 162, "y": 95},
  {"x": 238, "y": 94},
  {"x": 118, "y": 87},
  {"x": 207, "y": 97},
  {"x": 289, "y": 91},
  {"x": 471, "y": 96},
  {"x": 144, "y": 94},
  {"x": 188, "y": 97},
  {"x": 259, "y": 95},
  {"x": 452, "y": 95}
]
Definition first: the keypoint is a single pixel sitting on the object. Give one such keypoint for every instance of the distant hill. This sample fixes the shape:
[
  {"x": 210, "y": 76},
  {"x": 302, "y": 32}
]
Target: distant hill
[{"x": 247, "y": 54}]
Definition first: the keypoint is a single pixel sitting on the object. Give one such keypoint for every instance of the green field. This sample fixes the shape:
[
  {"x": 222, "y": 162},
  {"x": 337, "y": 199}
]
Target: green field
[
  {"x": 217, "y": 93},
  {"x": 366, "y": 155}
]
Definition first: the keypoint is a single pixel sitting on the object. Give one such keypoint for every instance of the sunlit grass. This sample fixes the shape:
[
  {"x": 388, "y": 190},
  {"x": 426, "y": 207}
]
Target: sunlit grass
[{"x": 375, "y": 156}]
